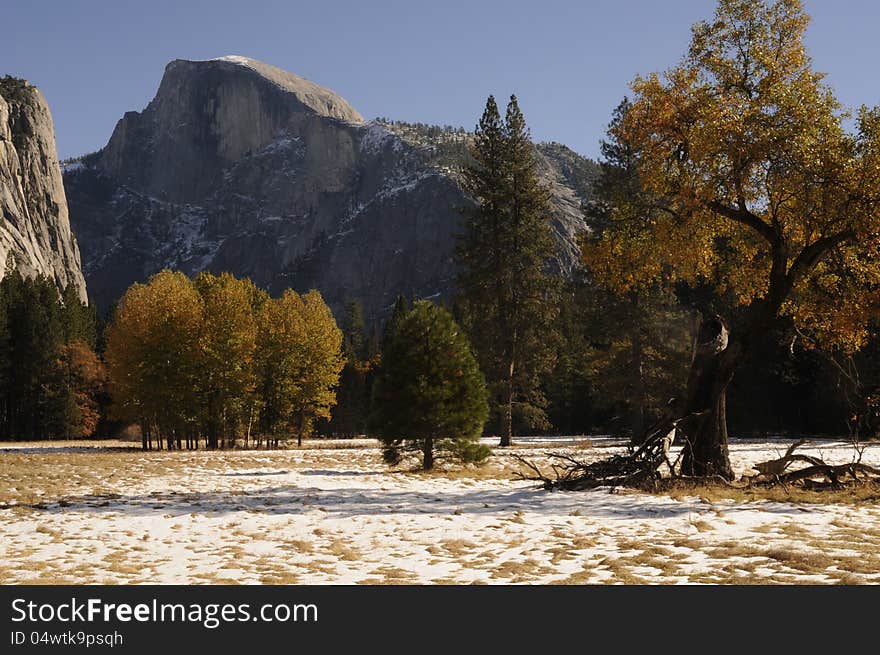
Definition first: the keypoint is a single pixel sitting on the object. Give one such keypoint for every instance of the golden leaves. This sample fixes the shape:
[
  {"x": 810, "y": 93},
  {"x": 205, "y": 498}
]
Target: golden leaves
[
  {"x": 213, "y": 352},
  {"x": 744, "y": 123}
]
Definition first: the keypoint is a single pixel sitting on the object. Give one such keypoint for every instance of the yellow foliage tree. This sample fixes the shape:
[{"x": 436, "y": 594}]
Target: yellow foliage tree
[
  {"x": 299, "y": 358},
  {"x": 152, "y": 356},
  {"x": 227, "y": 343},
  {"x": 752, "y": 185}
]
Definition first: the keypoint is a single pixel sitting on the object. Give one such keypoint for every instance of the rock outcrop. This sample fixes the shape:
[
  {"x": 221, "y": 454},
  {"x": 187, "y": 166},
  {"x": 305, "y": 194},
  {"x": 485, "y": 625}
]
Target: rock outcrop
[
  {"x": 35, "y": 233},
  {"x": 238, "y": 166}
]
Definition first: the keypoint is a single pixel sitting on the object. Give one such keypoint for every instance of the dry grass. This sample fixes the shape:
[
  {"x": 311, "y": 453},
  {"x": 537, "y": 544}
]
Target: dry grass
[
  {"x": 805, "y": 554},
  {"x": 342, "y": 550},
  {"x": 518, "y": 570},
  {"x": 713, "y": 492},
  {"x": 701, "y": 525},
  {"x": 392, "y": 575},
  {"x": 455, "y": 548}
]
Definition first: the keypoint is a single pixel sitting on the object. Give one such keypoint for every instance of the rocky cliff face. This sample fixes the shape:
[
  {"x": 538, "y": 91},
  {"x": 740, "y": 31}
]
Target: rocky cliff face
[
  {"x": 238, "y": 166},
  {"x": 35, "y": 231}
]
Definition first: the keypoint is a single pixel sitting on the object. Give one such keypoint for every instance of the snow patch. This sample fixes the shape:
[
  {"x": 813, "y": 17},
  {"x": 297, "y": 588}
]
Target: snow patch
[
  {"x": 375, "y": 137},
  {"x": 236, "y": 59},
  {"x": 73, "y": 166}
]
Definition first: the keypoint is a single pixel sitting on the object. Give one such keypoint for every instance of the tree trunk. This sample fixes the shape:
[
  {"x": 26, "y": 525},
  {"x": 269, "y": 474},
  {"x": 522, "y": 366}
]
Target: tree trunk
[
  {"x": 428, "y": 454},
  {"x": 704, "y": 426},
  {"x": 247, "y": 436},
  {"x": 212, "y": 436},
  {"x": 507, "y": 428},
  {"x": 639, "y": 410}
]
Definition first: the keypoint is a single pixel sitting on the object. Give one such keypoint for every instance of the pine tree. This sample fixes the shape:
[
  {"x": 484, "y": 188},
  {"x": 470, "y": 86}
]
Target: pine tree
[
  {"x": 637, "y": 343},
  {"x": 638, "y": 348},
  {"x": 430, "y": 395},
  {"x": 354, "y": 337},
  {"x": 79, "y": 321},
  {"x": 353, "y": 398},
  {"x": 503, "y": 259},
  {"x": 35, "y": 404},
  {"x": 398, "y": 313}
]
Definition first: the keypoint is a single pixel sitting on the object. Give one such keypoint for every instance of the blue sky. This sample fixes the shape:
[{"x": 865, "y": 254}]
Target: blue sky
[{"x": 569, "y": 62}]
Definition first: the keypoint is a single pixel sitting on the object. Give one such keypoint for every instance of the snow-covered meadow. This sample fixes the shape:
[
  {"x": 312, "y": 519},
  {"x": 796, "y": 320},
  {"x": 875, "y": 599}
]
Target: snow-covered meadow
[{"x": 333, "y": 513}]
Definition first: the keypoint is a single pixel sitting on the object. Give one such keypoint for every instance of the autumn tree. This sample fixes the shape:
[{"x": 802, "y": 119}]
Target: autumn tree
[
  {"x": 430, "y": 395},
  {"x": 503, "y": 258},
  {"x": 84, "y": 379},
  {"x": 152, "y": 356},
  {"x": 320, "y": 364},
  {"x": 753, "y": 186},
  {"x": 227, "y": 343},
  {"x": 298, "y": 361}
]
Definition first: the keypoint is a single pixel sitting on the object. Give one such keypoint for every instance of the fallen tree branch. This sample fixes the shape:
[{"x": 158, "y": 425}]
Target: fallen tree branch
[
  {"x": 833, "y": 476},
  {"x": 778, "y": 466},
  {"x": 640, "y": 468}
]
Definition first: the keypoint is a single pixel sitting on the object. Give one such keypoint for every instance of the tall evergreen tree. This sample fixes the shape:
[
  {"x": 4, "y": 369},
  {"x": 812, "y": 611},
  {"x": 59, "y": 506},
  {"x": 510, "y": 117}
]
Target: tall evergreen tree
[
  {"x": 39, "y": 393},
  {"x": 79, "y": 321},
  {"x": 637, "y": 342},
  {"x": 503, "y": 258},
  {"x": 401, "y": 309},
  {"x": 354, "y": 339},
  {"x": 352, "y": 397}
]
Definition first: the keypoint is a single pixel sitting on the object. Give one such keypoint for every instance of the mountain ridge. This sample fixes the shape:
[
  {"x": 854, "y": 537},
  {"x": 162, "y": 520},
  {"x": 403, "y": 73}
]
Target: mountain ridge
[{"x": 225, "y": 171}]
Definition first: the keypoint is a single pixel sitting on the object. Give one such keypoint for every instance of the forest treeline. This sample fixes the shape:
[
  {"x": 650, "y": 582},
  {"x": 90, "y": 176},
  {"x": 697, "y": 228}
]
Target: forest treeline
[
  {"x": 52, "y": 382},
  {"x": 214, "y": 359}
]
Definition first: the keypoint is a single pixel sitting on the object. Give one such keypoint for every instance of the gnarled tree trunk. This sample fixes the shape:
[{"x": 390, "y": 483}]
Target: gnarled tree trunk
[{"x": 704, "y": 426}]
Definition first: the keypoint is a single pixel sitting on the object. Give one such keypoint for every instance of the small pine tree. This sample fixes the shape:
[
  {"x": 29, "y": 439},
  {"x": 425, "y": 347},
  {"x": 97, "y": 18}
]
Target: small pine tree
[{"x": 430, "y": 395}]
